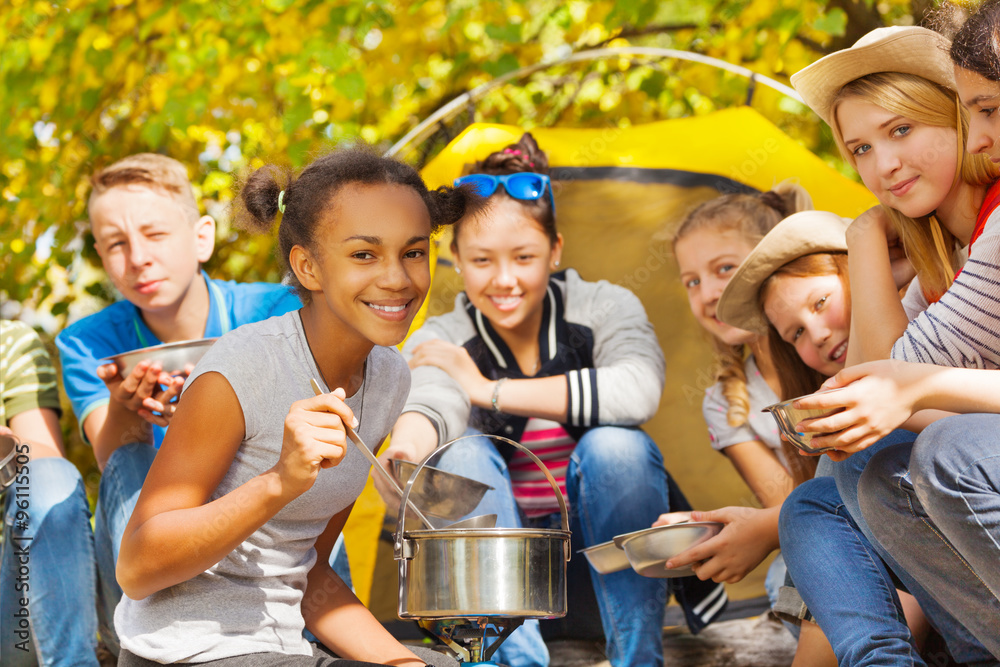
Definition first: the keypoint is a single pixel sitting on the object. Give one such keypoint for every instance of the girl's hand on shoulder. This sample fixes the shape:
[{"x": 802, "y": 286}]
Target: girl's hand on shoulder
[
  {"x": 314, "y": 438},
  {"x": 872, "y": 399},
  {"x": 747, "y": 538},
  {"x": 456, "y": 362}
]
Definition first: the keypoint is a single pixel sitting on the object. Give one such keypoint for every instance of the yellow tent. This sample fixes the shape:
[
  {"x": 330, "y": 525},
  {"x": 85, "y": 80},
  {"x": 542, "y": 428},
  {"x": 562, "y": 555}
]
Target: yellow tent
[{"x": 614, "y": 189}]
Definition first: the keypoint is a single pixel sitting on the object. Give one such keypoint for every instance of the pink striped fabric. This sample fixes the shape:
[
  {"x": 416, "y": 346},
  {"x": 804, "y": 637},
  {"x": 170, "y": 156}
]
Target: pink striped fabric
[{"x": 550, "y": 442}]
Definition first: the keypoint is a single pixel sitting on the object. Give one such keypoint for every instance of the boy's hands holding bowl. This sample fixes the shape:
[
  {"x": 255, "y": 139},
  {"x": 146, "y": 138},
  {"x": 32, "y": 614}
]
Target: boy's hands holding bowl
[{"x": 147, "y": 391}]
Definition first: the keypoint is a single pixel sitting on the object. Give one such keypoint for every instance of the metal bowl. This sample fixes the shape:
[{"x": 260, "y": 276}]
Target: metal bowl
[
  {"x": 172, "y": 356},
  {"x": 648, "y": 550},
  {"x": 787, "y": 417},
  {"x": 439, "y": 493},
  {"x": 606, "y": 557},
  {"x": 8, "y": 459}
]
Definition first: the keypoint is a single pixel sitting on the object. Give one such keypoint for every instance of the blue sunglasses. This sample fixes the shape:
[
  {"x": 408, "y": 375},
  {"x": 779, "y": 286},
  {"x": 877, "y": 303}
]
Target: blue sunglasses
[{"x": 524, "y": 185}]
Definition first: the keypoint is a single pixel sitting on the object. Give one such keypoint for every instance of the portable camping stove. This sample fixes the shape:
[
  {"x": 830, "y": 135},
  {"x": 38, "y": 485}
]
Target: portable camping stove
[
  {"x": 472, "y": 587},
  {"x": 468, "y": 637}
]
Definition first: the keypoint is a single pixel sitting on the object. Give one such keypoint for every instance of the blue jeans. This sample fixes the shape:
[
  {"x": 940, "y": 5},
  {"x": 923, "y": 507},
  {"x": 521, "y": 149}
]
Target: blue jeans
[
  {"x": 121, "y": 483},
  {"x": 119, "y": 490},
  {"x": 58, "y": 569},
  {"x": 843, "y": 580},
  {"x": 935, "y": 506},
  {"x": 962, "y": 645},
  {"x": 617, "y": 483}
]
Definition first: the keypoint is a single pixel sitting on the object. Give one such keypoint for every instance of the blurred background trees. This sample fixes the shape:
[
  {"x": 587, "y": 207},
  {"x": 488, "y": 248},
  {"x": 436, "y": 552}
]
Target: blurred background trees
[{"x": 228, "y": 85}]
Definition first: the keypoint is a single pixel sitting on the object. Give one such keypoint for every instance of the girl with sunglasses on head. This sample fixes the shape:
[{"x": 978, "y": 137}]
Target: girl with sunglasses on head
[
  {"x": 568, "y": 368},
  {"x": 891, "y": 103},
  {"x": 933, "y": 501}
]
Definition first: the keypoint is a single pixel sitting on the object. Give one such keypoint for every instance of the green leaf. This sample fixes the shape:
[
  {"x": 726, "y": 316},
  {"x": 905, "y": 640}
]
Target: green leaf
[
  {"x": 297, "y": 115},
  {"x": 152, "y": 133},
  {"x": 298, "y": 152},
  {"x": 333, "y": 57},
  {"x": 834, "y": 22},
  {"x": 506, "y": 63},
  {"x": 504, "y": 33},
  {"x": 91, "y": 98},
  {"x": 61, "y": 308},
  {"x": 350, "y": 85},
  {"x": 15, "y": 56}
]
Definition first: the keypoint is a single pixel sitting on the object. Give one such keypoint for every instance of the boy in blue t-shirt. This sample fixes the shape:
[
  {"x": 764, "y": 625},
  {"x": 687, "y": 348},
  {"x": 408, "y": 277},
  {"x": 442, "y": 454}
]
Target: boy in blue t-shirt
[{"x": 152, "y": 241}]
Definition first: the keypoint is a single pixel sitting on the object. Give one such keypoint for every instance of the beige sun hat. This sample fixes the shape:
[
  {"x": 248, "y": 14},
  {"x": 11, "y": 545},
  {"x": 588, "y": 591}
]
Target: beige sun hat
[
  {"x": 904, "y": 49},
  {"x": 799, "y": 234}
]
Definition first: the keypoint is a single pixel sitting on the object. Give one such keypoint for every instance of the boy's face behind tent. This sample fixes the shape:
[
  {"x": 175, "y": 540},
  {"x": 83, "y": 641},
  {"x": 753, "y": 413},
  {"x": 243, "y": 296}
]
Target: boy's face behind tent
[{"x": 150, "y": 247}]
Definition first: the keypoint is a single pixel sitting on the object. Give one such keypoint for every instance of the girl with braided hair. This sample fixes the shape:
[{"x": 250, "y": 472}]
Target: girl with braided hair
[{"x": 752, "y": 371}]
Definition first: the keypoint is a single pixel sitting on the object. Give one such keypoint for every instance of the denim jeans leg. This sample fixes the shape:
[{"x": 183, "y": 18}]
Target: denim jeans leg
[
  {"x": 842, "y": 579},
  {"x": 962, "y": 645},
  {"x": 900, "y": 515},
  {"x": 339, "y": 562},
  {"x": 773, "y": 582},
  {"x": 51, "y": 551},
  {"x": 478, "y": 459},
  {"x": 617, "y": 483},
  {"x": 117, "y": 495}
]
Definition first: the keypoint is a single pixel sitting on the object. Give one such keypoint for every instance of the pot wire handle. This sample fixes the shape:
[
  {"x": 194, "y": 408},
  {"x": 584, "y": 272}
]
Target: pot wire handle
[{"x": 563, "y": 512}]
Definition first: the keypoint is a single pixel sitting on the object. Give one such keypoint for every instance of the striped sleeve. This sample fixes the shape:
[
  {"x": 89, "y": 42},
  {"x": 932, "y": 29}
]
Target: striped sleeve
[
  {"x": 27, "y": 377},
  {"x": 962, "y": 329},
  {"x": 584, "y": 402}
]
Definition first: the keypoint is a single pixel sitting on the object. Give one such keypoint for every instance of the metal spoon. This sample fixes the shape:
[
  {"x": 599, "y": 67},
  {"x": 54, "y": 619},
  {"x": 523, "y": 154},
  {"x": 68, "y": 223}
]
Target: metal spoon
[
  {"x": 481, "y": 521},
  {"x": 374, "y": 461}
]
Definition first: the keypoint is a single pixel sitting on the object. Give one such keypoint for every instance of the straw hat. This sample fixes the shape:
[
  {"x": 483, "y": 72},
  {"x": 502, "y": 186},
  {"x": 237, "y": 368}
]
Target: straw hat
[
  {"x": 799, "y": 234},
  {"x": 904, "y": 49}
]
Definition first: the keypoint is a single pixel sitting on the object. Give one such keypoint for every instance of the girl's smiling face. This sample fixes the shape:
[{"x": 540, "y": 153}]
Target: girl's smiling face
[
  {"x": 370, "y": 270},
  {"x": 812, "y": 314},
  {"x": 707, "y": 259},
  {"x": 981, "y": 97},
  {"x": 910, "y": 166},
  {"x": 505, "y": 259}
]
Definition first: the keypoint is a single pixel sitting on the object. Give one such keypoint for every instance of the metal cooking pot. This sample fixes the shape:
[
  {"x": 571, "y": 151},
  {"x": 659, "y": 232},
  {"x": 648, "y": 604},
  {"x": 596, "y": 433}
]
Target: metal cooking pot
[{"x": 497, "y": 572}]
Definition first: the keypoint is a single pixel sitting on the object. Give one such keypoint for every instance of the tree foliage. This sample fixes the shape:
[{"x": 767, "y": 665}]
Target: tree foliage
[{"x": 227, "y": 85}]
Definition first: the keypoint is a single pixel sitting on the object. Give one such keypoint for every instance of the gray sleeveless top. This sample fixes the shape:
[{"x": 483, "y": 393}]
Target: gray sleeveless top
[{"x": 250, "y": 601}]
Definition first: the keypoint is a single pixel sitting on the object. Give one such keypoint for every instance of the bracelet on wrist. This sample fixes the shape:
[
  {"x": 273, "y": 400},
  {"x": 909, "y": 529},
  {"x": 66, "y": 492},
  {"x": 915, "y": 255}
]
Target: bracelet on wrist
[{"x": 495, "y": 401}]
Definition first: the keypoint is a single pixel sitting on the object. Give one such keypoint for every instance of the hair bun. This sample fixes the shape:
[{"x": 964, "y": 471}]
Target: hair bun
[{"x": 525, "y": 155}]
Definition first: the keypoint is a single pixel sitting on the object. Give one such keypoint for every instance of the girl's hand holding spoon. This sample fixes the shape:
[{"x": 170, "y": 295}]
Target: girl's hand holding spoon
[{"x": 314, "y": 438}]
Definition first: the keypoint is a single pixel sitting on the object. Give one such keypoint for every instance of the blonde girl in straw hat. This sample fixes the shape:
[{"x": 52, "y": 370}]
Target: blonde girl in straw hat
[
  {"x": 934, "y": 503},
  {"x": 891, "y": 103}
]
